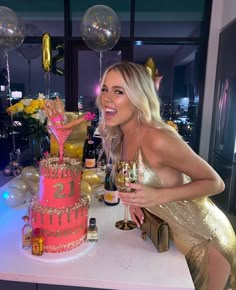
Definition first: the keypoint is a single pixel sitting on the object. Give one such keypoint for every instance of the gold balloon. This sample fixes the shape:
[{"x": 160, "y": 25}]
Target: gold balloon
[
  {"x": 47, "y": 52},
  {"x": 88, "y": 197},
  {"x": 30, "y": 173},
  {"x": 91, "y": 177},
  {"x": 150, "y": 65},
  {"x": 54, "y": 148},
  {"x": 74, "y": 149},
  {"x": 85, "y": 187},
  {"x": 79, "y": 132},
  {"x": 20, "y": 184}
]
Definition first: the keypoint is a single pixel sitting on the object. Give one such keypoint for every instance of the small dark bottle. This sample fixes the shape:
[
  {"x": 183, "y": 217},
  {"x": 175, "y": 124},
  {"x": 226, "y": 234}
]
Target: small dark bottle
[
  {"x": 92, "y": 233},
  {"x": 90, "y": 154},
  {"x": 110, "y": 191}
]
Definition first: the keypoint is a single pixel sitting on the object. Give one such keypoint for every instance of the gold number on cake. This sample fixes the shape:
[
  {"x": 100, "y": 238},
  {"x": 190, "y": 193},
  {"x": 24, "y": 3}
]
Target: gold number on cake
[
  {"x": 72, "y": 188},
  {"x": 59, "y": 188}
]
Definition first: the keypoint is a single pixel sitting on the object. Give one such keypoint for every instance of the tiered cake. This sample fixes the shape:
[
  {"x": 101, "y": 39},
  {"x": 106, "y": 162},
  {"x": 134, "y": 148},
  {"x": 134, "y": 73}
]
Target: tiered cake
[{"x": 59, "y": 209}]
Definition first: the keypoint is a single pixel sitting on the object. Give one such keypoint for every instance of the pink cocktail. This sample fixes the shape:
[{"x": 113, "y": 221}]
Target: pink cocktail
[{"x": 61, "y": 136}]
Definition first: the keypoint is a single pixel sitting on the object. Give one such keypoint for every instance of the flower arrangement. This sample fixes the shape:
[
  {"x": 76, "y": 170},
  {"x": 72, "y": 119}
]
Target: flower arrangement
[
  {"x": 33, "y": 123},
  {"x": 33, "y": 108}
]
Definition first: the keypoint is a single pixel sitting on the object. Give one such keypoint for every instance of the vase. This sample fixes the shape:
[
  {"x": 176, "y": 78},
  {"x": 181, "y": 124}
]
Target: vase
[{"x": 38, "y": 146}]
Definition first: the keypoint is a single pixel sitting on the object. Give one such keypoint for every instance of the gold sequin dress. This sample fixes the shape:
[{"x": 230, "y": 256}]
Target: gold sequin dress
[{"x": 194, "y": 224}]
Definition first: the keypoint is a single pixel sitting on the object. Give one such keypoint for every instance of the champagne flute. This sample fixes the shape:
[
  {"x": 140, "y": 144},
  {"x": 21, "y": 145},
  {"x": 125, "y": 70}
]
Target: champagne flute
[{"x": 125, "y": 172}]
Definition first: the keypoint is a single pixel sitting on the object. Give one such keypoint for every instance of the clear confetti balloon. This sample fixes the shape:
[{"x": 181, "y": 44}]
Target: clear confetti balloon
[
  {"x": 13, "y": 196},
  {"x": 33, "y": 187},
  {"x": 100, "y": 28},
  {"x": 12, "y": 30},
  {"x": 20, "y": 184},
  {"x": 30, "y": 173},
  {"x": 30, "y": 50}
]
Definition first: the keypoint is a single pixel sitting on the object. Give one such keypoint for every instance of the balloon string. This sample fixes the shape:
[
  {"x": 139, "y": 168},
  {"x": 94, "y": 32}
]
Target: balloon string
[
  {"x": 29, "y": 77},
  {"x": 100, "y": 66},
  {"x": 10, "y": 99},
  {"x": 100, "y": 78},
  {"x": 8, "y": 75},
  {"x": 47, "y": 82}
]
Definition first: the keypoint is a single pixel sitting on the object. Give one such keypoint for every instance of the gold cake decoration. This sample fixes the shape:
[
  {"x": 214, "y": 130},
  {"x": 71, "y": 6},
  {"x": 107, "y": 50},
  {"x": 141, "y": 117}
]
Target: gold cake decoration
[
  {"x": 37, "y": 207},
  {"x": 65, "y": 248},
  {"x": 51, "y": 168}
]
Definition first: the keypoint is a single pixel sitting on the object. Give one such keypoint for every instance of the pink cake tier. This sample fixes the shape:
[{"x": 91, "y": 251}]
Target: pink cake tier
[
  {"x": 59, "y": 210},
  {"x": 63, "y": 228},
  {"x": 59, "y": 183}
]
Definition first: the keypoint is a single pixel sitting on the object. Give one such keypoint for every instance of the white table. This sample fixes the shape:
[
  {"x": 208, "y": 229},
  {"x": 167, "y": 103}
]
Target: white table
[{"x": 119, "y": 260}]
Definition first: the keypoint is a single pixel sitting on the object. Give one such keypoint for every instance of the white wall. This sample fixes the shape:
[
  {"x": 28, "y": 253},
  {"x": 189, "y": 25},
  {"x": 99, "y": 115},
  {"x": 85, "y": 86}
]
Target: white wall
[
  {"x": 228, "y": 12},
  {"x": 223, "y": 12}
]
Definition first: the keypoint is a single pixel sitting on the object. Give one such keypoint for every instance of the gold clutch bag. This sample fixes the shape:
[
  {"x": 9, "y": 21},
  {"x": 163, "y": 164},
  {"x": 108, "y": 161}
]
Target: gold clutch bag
[{"x": 157, "y": 230}]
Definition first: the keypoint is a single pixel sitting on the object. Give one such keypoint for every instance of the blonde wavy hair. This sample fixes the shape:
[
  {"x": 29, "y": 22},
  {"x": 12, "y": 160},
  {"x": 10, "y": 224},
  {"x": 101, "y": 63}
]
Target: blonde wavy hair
[{"x": 140, "y": 89}]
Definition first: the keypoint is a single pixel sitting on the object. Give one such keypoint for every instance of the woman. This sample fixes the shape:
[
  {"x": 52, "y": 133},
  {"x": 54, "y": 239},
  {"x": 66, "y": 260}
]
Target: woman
[{"x": 174, "y": 182}]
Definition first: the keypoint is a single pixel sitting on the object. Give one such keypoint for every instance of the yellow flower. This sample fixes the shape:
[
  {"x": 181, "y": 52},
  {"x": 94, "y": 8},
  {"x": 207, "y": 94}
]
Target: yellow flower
[
  {"x": 16, "y": 108},
  {"x": 41, "y": 103},
  {"x": 28, "y": 106}
]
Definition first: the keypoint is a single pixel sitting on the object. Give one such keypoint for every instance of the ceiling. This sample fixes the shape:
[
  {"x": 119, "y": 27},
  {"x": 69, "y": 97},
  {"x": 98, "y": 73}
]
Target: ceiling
[
  {"x": 82, "y": 5},
  {"x": 153, "y": 18},
  {"x": 187, "y": 9}
]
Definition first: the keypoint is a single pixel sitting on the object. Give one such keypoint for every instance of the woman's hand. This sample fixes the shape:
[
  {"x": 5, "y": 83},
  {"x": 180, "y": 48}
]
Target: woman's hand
[
  {"x": 136, "y": 215},
  {"x": 142, "y": 196}
]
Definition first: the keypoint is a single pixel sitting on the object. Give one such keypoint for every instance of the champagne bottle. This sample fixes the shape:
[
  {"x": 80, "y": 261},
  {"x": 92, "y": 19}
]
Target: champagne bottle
[
  {"x": 90, "y": 155},
  {"x": 110, "y": 190},
  {"x": 89, "y": 129}
]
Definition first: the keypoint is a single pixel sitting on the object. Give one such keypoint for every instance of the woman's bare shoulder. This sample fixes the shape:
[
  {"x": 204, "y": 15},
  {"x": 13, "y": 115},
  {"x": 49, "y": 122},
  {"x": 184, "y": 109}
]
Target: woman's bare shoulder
[{"x": 157, "y": 138}]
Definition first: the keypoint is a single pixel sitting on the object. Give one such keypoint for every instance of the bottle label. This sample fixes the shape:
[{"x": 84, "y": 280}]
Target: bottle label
[
  {"x": 90, "y": 163},
  {"x": 92, "y": 235},
  {"x": 36, "y": 248},
  {"x": 26, "y": 240},
  {"x": 111, "y": 196}
]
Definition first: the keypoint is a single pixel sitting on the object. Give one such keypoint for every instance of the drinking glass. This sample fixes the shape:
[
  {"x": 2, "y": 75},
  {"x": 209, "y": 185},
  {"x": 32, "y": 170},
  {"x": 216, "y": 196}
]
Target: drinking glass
[{"x": 125, "y": 172}]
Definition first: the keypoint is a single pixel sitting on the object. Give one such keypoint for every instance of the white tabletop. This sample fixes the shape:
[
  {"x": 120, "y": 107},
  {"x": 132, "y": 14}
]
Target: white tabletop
[{"x": 119, "y": 260}]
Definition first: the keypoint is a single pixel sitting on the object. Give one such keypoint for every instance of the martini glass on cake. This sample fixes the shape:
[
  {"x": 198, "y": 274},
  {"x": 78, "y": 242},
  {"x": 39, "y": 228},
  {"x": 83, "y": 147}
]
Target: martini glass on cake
[
  {"x": 56, "y": 120},
  {"x": 61, "y": 137},
  {"x": 58, "y": 125},
  {"x": 125, "y": 172}
]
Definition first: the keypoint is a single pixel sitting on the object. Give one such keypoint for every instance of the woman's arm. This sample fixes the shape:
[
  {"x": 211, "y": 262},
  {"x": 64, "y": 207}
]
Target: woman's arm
[{"x": 87, "y": 117}]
